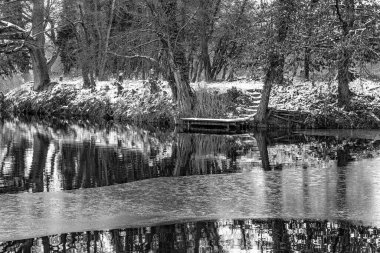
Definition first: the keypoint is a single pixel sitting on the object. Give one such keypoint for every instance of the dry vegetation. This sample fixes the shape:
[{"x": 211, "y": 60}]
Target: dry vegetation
[{"x": 138, "y": 103}]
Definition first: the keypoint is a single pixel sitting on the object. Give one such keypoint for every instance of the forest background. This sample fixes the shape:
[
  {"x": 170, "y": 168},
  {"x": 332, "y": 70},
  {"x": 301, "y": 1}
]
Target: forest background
[{"x": 309, "y": 45}]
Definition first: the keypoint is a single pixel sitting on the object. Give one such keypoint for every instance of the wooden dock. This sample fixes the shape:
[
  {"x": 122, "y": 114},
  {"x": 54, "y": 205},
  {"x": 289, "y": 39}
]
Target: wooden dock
[{"x": 237, "y": 125}]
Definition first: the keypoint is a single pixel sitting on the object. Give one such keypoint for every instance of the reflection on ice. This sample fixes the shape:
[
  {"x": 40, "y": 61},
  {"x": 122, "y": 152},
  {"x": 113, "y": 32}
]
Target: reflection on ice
[
  {"x": 248, "y": 235},
  {"x": 294, "y": 193},
  {"x": 80, "y": 179}
]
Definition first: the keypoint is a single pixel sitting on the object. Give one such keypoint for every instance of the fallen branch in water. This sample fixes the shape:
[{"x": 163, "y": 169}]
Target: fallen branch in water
[
  {"x": 282, "y": 118},
  {"x": 374, "y": 117}
]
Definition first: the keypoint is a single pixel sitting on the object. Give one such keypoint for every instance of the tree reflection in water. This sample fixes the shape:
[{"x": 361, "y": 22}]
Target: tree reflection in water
[
  {"x": 82, "y": 160},
  {"x": 198, "y": 154},
  {"x": 37, "y": 158},
  {"x": 214, "y": 236}
]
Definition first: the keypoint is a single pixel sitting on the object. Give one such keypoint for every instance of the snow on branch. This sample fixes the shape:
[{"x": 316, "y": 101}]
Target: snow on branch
[
  {"x": 8, "y": 26},
  {"x": 136, "y": 57},
  {"x": 11, "y": 47},
  {"x": 13, "y": 38}
]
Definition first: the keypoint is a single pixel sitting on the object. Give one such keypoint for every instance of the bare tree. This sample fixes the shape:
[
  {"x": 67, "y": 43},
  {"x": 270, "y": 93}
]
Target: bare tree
[
  {"x": 276, "y": 58},
  {"x": 37, "y": 47},
  {"x": 346, "y": 20},
  {"x": 15, "y": 38}
]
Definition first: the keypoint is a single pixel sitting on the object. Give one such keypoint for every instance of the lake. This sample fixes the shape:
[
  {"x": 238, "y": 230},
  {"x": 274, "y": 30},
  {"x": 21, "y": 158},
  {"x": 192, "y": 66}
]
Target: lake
[{"x": 80, "y": 187}]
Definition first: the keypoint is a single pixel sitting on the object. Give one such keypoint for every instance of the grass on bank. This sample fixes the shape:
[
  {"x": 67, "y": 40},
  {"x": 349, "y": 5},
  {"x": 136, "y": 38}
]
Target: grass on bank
[
  {"x": 136, "y": 103},
  {"x": 65, "y": 100},
  {"x": 320, "y": 100}
]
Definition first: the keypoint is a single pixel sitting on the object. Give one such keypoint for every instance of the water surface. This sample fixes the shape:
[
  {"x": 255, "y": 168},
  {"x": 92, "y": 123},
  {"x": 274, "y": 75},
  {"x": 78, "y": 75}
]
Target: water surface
[
  {"x": 244, "y": 235},
  {"x": 61, "y": 179}
]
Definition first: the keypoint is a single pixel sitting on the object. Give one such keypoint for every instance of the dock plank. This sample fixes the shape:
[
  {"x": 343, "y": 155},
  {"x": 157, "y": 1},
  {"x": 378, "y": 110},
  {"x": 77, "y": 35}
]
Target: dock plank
[
  {"x": 215, "y": 120},
  {"x": 236, "y": 125}
]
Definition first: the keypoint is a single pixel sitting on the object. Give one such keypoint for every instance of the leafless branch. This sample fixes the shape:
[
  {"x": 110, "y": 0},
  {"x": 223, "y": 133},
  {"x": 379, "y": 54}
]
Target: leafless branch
[
  {"x": 338, "y": 11},
  {"x": 144, "y": 57}
]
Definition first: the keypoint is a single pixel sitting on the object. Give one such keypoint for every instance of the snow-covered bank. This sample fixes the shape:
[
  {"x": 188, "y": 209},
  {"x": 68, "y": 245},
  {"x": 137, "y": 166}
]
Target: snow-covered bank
[
  {"x": 139, "y": 102},
  {"x": 133, "y": 103},
  {"x": 224, "y": 86},
  {"x": 320, "y": 100}
]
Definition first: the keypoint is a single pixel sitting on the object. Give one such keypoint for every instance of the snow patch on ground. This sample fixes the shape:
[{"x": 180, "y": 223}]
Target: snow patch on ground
[
  {"x": 109, "y": 88},
  {"x": 223, "y": 86}
]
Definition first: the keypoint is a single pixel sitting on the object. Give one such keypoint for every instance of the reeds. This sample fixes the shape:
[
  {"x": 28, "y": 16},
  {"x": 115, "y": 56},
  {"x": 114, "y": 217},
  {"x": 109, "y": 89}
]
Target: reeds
[
  {"x": 9, "y": 83},
  {"x": 65, "y": 101},
  {"x": 210, "y": 104}
]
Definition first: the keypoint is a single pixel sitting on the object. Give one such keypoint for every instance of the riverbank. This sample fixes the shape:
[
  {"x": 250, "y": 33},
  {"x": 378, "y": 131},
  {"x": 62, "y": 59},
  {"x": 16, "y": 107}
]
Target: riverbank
[
  {"x": 150, "y": 102},
  {"x": 131, "y": 171},
  {"x": 138, "y": 102},
  {"x": 133, "y": 103},
  {"x": 319, "y": 101}
]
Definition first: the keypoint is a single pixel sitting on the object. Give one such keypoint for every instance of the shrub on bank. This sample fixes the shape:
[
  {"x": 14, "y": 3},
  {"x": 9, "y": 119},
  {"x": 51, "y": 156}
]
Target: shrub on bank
[
  {"x": 67, "y": 101},
  {"x": 209, "y": 104},
  {"x": 216, "y": 104},
  {"x": 320, "y": 101},
  {"x": 141, "y": 104}
]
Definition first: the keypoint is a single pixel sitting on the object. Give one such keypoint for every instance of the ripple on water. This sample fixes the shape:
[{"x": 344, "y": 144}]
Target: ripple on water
[
  {"x": 92, "y": 180},
  {"x": 197, "y": 197}
]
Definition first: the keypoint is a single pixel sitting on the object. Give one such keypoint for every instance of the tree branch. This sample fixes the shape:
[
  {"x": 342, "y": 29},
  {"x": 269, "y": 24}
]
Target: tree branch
[
  {"x": 53, "y": 59},
  {"x": 143, "y": 44},
  {"x": 4, "y": 25},
  {"x": 144, "y": 57},
  {"x": 338, "y": 12},
  {"x": 12, "y": 47},
  {"x": 9, "y": 2}
]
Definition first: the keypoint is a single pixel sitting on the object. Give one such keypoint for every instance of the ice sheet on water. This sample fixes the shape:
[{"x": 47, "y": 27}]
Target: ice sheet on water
[{"x": 255, "y": 194}]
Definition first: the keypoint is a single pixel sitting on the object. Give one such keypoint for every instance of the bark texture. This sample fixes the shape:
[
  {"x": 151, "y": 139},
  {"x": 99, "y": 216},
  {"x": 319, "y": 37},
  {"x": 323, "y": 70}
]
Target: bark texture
[
  {"x": 347, "y": 19},
  {"x": 36, "y": 47},
  {"x": 276, "y": 60},
  {"x": 176, "y": 58}
]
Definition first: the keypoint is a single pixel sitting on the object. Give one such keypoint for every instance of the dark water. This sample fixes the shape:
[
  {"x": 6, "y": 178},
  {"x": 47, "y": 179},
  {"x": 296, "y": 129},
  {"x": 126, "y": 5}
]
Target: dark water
[
  {"x": 246, "y": 235},
  {"x": 257, "y": 192}
]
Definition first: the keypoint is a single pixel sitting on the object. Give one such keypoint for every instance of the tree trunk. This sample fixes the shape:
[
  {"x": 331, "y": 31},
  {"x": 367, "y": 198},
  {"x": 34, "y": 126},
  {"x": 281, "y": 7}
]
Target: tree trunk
[
  {"x": 172, "y": 85},
  {"x": 37, "y": 47},
  {"x": 40, "y": 69},
  {"x": 205, "y": 27},
  {"x": 177, "y": 59},
  {"x": 281, "y": 242},
  {"x": 87, "y": 72},
  {"x": 224, "y": 72},
  {"x": 261, "y": 115},
  {"x": 227, "y": 47},
  {"x": 40, "y": 151},
  {"x": 46, "y": 244},
  {"x": 87, "y": 54},
  {"x": 276, "y": 59},
  {"x": 307, "y": 64},
  {"x": 191, "y": 66},
  {"x": 88, "y": 76},
  {"x": 309, "y": 26},
  {"x": 185, "y": 97},
  {"x": 344, "y": 93},
  {"x": 185, "y": 149},
  {"x": 195, "y": 70},
  {"x": 206, "y": 59},
  {"x": 275, "y": 69},
  {"x": 220, "y": 56},
  {"x": 199, "y": 72},
  {"x": 12, "y": 11},
  {"x": 263, "y": 149},
  {"x": 104, "y": 57},
  {"x": 231, "y": 75}
]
